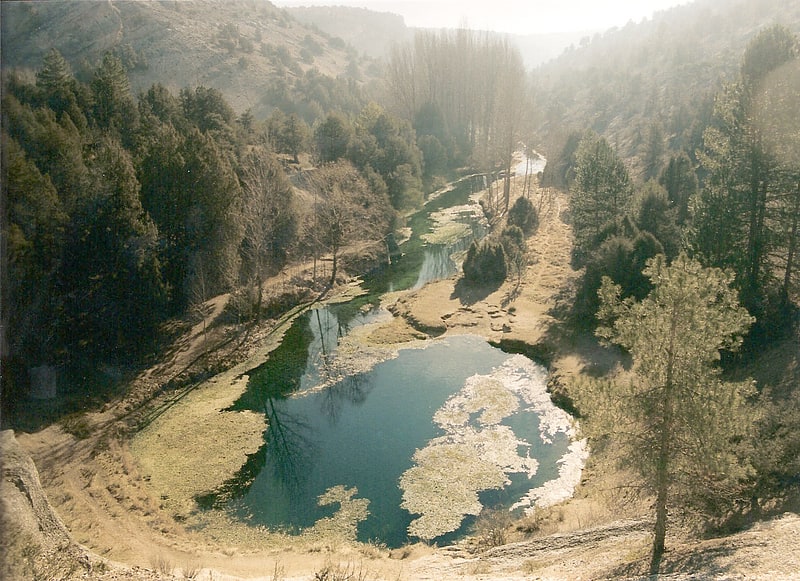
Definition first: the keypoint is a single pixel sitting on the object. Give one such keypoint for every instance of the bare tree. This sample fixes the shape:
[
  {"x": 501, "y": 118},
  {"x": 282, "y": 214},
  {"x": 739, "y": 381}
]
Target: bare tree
[
  {"x": 345, "y": 211},
  {"x": 269, "y": 220},
  {"x": 476, "y": 80},
  {"x": 511, "y": 110}
]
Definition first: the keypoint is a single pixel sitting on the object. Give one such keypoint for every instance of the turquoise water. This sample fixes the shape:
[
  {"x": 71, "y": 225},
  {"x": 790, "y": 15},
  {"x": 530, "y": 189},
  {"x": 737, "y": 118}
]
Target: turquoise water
[{"x": 363, "y": 432}]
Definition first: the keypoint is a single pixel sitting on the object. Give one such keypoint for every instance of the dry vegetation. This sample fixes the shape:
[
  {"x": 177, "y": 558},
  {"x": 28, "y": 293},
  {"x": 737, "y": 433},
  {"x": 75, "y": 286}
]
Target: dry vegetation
[
  {"x": 239, "y": 48},
  {"x": 120, "y": 504}
]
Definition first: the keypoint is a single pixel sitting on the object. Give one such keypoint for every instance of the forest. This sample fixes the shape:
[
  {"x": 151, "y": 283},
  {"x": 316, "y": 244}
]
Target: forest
[
  {"x": 123, "y": 212},
  {"x": 181, "y": 198}
]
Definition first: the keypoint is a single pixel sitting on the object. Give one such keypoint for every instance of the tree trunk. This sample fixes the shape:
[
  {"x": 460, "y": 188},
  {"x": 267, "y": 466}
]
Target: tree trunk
[
  {"x": 756, "y": 234},
  {"x": 332, "y": 282},
  {"x": 793, "y": 234},
  {"x": 664, "y": 451},
  {"x": 260, "y": 298},
  {"x": 507, "y": 189},
  {"x": 660, "y": 529}
]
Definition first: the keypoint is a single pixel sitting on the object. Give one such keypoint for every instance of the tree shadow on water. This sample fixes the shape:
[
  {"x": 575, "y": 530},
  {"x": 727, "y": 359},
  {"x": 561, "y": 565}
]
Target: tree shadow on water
[{"x": 288, "y": 450}]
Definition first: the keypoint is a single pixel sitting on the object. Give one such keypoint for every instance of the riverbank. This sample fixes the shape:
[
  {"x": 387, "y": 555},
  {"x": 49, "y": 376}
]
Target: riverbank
[{"x": 131, "y": 501}]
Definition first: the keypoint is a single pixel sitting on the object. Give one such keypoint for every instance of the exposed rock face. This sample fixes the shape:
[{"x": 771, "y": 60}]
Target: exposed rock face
[{"x": 35, "y": 543}]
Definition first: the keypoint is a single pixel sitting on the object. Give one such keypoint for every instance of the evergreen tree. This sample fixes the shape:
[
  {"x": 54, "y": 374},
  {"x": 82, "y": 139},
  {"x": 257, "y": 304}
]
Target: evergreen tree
[
  {"x": 294, "y": 137},
  {"x": 158, "y": 102},
  {"x": 61, "y": 92},
  {"x": 34, "y": 221},
  {"x": 654, "y": 213},
  {"x": 523, "y": 214},
  {"x": 162, "y": 173},
  {"x": 680, "y": 181},
  {"x": 207, "y": 109},
  {"x": 734, "y": 221},
  {"x": 56, "y": 148},
  {"x": 775, "y": 115},
  {"x": 212, "y": 225},
  {"x": 653, "y": 150},
  {"x": 485, "y": 263},
  {"x": 114, "y": 108},
  {"x": 332, "y": 138},
  {"x": 600, "y": 194},
  {"x": 674, "y": 420},
  {"x": 110, "y": 279}
]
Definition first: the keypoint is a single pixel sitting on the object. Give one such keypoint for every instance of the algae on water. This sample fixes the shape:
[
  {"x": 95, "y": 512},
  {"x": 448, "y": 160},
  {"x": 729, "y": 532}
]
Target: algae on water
[
  {"x": 344, "y": 522},
  {"x": 477, "y": 452}
]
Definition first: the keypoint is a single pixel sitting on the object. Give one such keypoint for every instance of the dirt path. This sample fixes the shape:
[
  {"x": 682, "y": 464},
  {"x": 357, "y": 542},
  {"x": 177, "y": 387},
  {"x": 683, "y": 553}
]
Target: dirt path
[{"x": 132, "y": 501}]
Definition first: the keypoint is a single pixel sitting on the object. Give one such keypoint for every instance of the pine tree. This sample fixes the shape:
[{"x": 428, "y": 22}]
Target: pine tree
[
  {"x": 735, "y": 223},
  {"x": 114, "y": 108},
  {"x": 600, "y": 194},
  {"x": 674, "y": 420},
  {"x": 680, "y": 181},
  {"x": 34, "y": 222}
]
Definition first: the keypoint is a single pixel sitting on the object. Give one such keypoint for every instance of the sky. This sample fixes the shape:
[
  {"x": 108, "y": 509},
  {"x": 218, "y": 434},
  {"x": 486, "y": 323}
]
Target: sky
[{"x": 509, "y": 16}]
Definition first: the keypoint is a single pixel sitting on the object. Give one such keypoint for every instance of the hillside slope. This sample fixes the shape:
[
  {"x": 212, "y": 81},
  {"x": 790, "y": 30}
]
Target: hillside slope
[
  {"x": 657, "y": 77},
  {"x": 367, "y": 31},
  {"x": 241, "y": 47},
  {"x": 375, "y": 33}
]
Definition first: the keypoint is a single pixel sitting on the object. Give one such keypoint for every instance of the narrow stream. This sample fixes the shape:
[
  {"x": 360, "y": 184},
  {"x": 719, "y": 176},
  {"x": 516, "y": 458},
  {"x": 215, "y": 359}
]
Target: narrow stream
[{"x": 376, "y": 451}]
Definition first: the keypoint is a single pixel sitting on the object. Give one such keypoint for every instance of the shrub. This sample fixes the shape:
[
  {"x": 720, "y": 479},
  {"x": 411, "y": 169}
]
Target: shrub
[
  {"x": 485, "y": 263},
  {"x": 523, "y": 215}
]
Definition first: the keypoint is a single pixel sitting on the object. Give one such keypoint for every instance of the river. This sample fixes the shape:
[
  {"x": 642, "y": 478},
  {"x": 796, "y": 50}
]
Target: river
[{"x": 409, "y": 443}]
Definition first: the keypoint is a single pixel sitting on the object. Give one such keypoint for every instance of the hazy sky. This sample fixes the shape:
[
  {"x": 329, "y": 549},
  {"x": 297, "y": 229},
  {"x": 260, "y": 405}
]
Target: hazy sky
[{"x": 514, "y": 16}]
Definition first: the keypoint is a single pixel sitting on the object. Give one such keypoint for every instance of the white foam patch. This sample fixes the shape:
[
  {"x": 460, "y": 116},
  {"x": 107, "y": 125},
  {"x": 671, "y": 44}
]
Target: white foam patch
[
  {"x": 443, "y": 485},
  {"x": 561, "y": 488}
]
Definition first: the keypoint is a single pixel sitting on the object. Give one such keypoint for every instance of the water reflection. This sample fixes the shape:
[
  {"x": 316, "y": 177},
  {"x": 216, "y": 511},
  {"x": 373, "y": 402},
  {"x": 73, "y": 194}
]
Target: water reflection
[
  {"x": 362, "y": 434},
  {"x": 306, "y": 358},
  {"x": 353, "y": 389},
  {"x": 287, "y": 452},
  {"x": 440, "y": 262},
  {"x": 362, "y": 430},
  {"x": 288, "y": 446}
]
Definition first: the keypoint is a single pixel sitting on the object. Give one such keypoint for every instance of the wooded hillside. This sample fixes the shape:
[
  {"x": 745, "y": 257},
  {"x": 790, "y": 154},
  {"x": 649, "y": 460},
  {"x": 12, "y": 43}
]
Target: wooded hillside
[
  {"x": 649, "y": 87},
  {"x": 251, "y": 51}
]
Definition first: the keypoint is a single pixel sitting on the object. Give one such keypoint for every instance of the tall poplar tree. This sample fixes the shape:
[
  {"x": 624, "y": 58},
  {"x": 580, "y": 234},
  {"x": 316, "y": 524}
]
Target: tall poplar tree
[{"x": 674, "y": 420}]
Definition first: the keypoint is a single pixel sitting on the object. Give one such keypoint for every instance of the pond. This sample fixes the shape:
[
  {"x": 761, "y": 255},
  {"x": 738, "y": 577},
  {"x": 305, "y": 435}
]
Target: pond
[
  {"x": 399, "y": 445},
  {"x": 427, "y": 427}
]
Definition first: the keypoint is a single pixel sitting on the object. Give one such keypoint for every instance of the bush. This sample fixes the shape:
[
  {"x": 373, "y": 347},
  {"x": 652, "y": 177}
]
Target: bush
[
  {"x": 513, "y": 240},
  {"x": 523, "y": 215},
  {"x": 622, "y": 259},
  {"x": 485, "y": 263}
]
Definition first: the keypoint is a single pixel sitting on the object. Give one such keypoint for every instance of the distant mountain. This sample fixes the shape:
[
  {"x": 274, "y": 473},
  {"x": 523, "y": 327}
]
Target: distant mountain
[
  {"x": 537, "y": 49},
  {"x": 241, "y": 47},
  {"x": 655, "y": 81},
  {"x": 374, "y": 33},
  {"x": 368, "y": 31}
]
